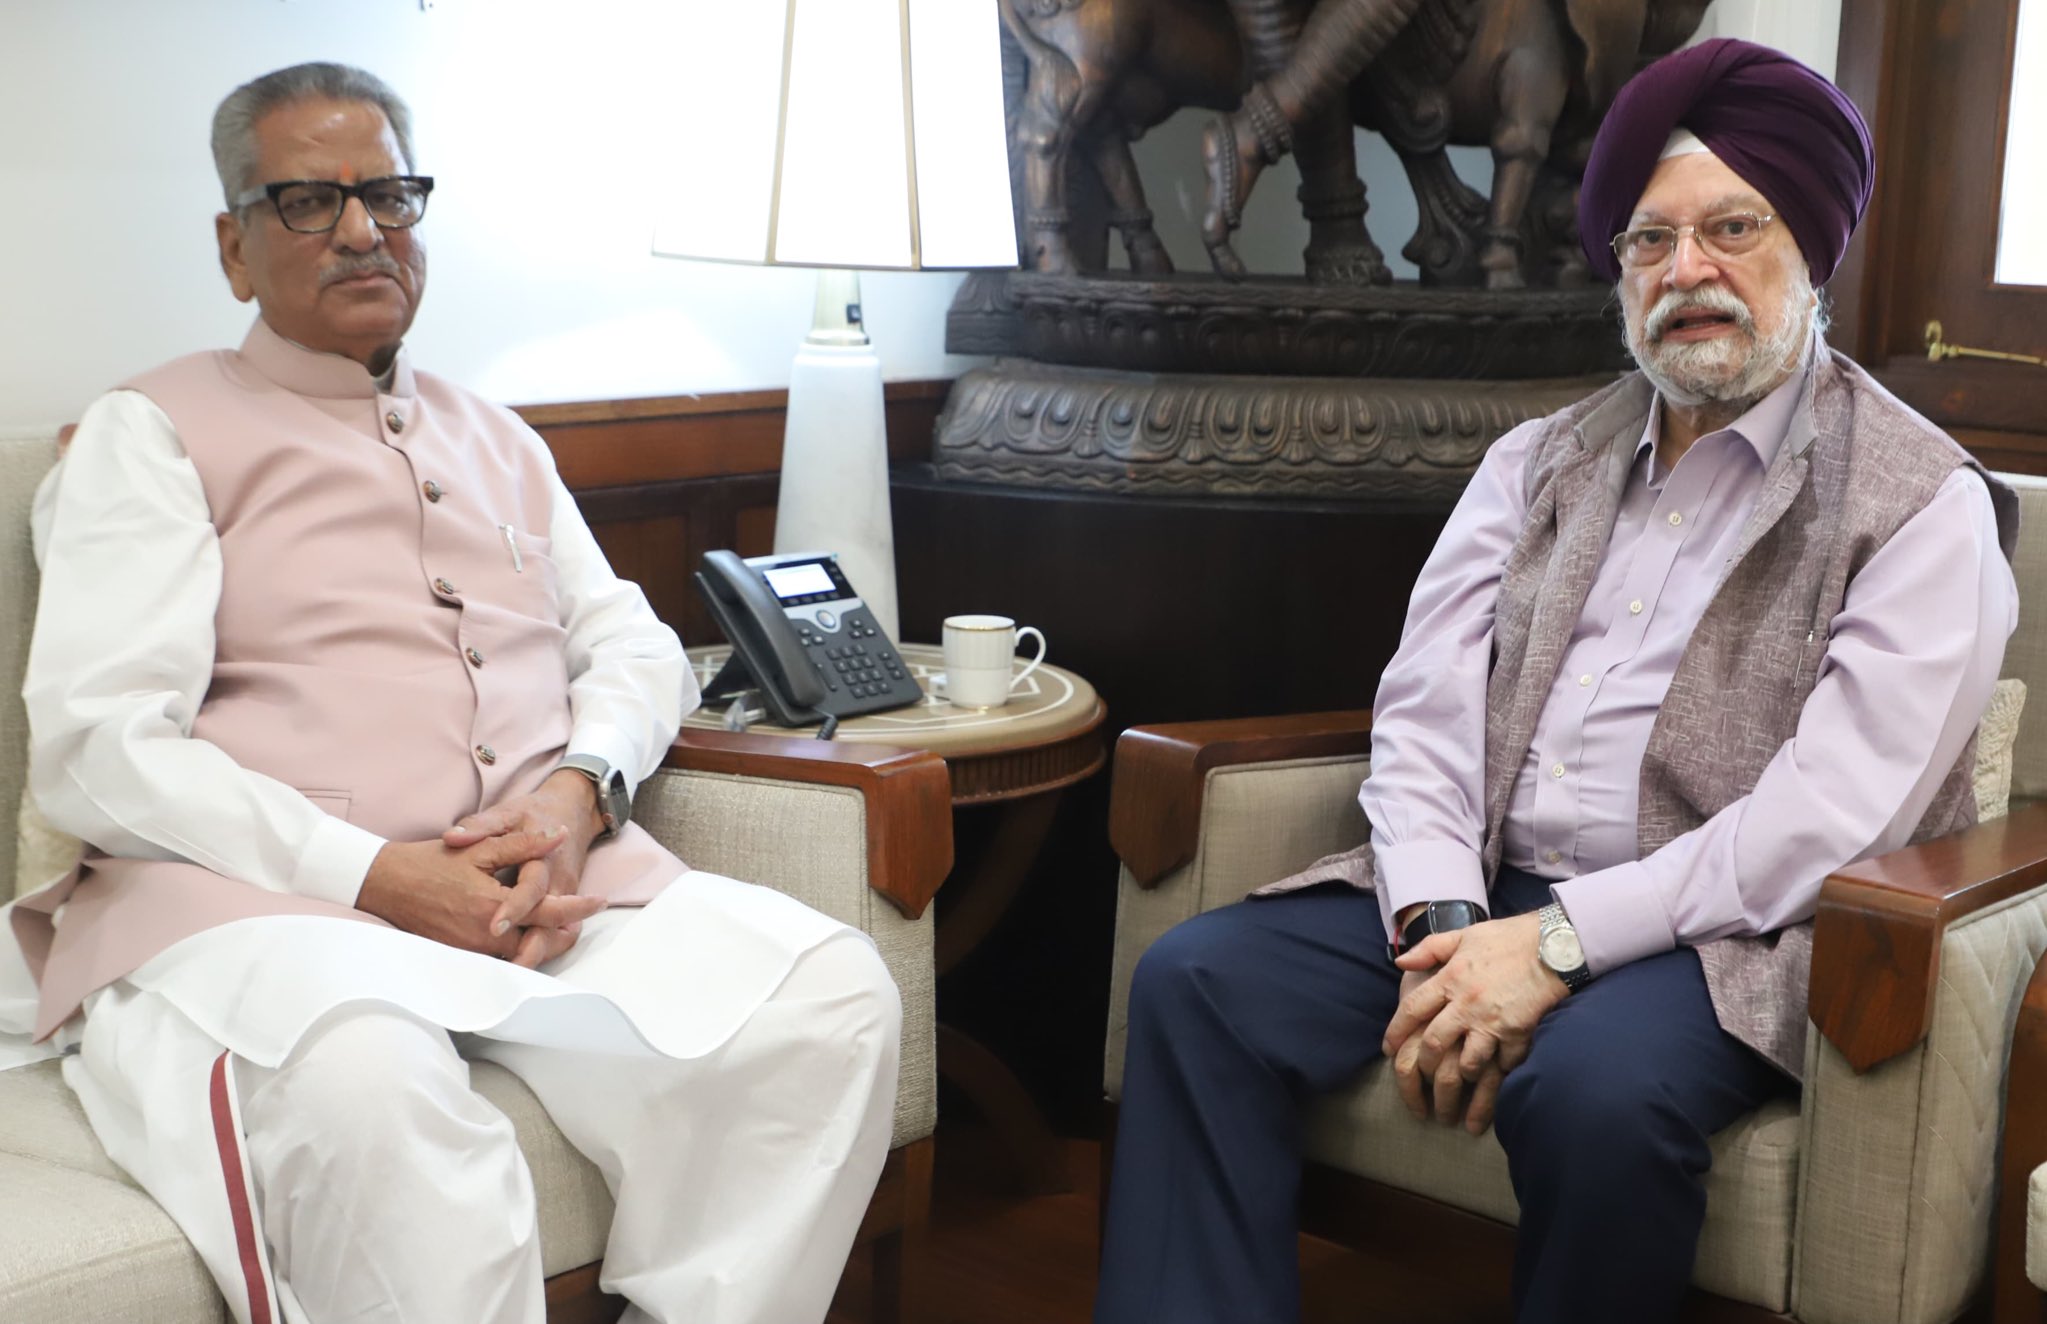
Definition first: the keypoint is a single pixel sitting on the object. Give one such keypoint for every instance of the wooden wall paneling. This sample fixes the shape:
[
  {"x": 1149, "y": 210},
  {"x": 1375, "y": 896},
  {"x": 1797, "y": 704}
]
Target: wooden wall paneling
[
  {"x": 656, "y": 534},
  {"x": 615, "y": 443},
  {"x": 646, "y": 551}
]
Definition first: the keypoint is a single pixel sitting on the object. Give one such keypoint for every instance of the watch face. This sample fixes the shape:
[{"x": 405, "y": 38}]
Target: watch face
[{"x": 1561, "y": 949}]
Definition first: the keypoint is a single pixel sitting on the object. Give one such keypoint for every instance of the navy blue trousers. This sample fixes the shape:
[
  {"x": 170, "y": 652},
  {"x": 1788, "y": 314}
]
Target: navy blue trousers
[{"x": 1239, "y": 1016}]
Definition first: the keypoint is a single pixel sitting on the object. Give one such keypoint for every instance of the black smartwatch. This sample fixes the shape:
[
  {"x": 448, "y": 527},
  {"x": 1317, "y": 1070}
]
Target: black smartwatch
[
  {"x": 1436, "y": 917},
  {"x": 614, "y": 801}
]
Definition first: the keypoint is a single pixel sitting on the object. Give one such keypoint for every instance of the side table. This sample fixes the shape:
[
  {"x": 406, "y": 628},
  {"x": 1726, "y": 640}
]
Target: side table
[{"x": 1016, "y": 761}]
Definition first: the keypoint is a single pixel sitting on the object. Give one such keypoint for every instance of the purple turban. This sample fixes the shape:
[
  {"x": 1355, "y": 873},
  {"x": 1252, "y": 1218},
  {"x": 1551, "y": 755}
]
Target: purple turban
[{"x": 1795, "y": 137}]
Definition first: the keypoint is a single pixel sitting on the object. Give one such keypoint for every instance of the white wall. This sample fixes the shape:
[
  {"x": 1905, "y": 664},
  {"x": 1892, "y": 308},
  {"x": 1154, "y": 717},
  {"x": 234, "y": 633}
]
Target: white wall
[
  {"x": 1169, "y": 157},
  {"x": 543, "y": 287},
  {"x": 542, "y": 282}
]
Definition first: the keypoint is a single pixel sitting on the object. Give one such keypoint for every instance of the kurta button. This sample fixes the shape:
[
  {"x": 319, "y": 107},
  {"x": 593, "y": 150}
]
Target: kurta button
[
  {"x": 486, "y": 755},
  {"x": 1557, "y": 770},
  {"x": 1585, "y": 679},
  {"x": 395, "y": 421},
  {"x": 1635, "y": 607},
  {"x": 432, "y": 489},
  {"x": 1553, "y": 856},
  {"x": 442, "y": 586},
  {"x": 475, "y": 658},
  {"x": 1676, "y": 519}
]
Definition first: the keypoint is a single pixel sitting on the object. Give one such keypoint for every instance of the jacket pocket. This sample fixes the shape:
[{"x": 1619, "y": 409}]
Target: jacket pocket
[{"x": 336, "y": 803}]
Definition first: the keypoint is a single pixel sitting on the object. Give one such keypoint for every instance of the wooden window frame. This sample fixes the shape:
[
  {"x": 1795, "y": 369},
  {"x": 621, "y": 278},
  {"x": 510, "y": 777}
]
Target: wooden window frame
[{"x": 1927, "y": 73}]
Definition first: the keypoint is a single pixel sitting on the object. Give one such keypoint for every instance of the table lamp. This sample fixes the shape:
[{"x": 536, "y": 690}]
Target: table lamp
[{"x": 842, "y": 135}]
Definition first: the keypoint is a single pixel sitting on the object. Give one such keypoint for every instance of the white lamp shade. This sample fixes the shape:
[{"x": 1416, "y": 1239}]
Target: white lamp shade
[{"x": 839, "y": 133}]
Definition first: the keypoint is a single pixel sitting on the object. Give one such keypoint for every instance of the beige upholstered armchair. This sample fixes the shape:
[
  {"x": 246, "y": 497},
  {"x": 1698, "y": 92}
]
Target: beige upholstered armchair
[
  {"x": 2020, "y": 1274},
  {"x": 1867, "y": 1199},
  {"x": 862, "y": 833}
]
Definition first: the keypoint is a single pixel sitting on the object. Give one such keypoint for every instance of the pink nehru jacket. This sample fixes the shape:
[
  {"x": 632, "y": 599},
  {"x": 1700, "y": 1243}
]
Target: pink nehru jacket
[{"x": 375, "y": 645}]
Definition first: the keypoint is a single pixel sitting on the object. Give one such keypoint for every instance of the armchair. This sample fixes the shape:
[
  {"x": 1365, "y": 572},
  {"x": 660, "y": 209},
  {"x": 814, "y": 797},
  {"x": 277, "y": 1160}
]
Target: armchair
[
  {"x": 1868, "y": 1198},
  {"x": 863, "y": 833}
]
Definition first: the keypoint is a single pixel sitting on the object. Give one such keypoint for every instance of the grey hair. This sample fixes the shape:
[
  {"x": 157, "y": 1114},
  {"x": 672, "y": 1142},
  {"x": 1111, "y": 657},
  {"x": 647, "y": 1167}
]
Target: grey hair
[{"x": 234, "y": 124}]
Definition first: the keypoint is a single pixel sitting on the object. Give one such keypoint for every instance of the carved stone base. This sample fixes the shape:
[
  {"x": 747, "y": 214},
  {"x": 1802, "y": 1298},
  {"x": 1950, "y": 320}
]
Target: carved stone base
[
  {"x": 1030, "y": 424},
  {"x": 1273, "y": 326}
]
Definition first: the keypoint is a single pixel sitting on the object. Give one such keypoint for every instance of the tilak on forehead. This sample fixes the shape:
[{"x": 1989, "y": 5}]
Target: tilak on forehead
[{"x": 1792, "y": 135}]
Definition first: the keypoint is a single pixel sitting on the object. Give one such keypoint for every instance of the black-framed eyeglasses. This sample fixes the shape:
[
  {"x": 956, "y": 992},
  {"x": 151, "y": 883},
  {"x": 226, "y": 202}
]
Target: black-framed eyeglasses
[
  {"x": 1732, "y": 234},
  {"x": 314, "y": 206}
]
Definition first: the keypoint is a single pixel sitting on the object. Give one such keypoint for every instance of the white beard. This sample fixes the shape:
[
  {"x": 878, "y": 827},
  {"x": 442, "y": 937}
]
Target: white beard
[{"x": 1735, "y": 370}]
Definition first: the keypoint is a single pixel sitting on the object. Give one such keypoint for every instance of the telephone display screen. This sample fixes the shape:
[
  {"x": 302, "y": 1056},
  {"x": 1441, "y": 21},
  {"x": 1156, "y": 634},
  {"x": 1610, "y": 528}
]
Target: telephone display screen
[{"x": 792, "y": 582}]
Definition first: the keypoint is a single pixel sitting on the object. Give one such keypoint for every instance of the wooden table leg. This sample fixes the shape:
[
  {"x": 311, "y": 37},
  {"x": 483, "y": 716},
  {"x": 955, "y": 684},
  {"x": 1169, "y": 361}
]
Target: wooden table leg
[
  {"x": 976, "y": 899},
  {"x": 979, "y": 896},
  {"x": 1032, "y": 1153}
]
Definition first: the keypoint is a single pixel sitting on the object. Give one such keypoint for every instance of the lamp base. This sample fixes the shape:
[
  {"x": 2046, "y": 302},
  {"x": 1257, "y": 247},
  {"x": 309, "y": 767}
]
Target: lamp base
[{"x": 834, "y": 488}]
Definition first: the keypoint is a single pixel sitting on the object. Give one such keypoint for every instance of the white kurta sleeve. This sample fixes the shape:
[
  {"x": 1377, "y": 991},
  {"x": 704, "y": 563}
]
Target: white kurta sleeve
[
  {"x": 121, "y": 658},
  {"x": 630, "y": 684}
]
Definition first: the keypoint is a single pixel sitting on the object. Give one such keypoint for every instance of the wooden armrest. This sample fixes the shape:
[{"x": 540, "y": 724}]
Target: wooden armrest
[
  {"x": 2025, "y": 1148},
  {"x": 1161, "y": 771},
  {"x": 908, "y": 794},
  {"x": 1877, "y": 933}
]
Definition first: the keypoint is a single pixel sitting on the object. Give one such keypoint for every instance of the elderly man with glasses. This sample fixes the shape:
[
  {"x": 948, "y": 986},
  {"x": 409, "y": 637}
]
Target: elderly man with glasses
[
  {"x": 1682, "y": 650},
  {"x": 333, "y": 679}
]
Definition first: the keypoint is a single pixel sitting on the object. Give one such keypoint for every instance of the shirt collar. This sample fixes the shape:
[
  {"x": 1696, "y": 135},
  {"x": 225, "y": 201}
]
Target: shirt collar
[
  {"x": 1767, "y": 422},
  {"x": 323, "y": 376}
]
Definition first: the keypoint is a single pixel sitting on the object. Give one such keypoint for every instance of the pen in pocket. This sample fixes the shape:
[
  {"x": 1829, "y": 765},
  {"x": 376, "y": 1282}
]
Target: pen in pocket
[{"x": 518, "y": 561}]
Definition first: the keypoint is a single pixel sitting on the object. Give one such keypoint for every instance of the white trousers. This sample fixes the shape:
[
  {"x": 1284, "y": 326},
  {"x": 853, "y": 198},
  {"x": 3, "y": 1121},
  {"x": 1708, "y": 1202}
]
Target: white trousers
[{"x": 361, "y": 1179}]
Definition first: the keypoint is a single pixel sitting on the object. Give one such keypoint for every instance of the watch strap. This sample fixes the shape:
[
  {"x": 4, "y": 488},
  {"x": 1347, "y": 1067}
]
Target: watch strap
[
  {"x": 614, "y": 801},
  {"x": 1551, "y": 917},
  {"x": 1436, "y": 917}
]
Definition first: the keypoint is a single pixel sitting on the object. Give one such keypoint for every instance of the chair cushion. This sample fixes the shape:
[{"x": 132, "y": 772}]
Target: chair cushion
[
  {"x": 1996, "y": 737},
  {"x": 79, "y": 1241},
  {"x": 81, "y": 1249},
  {"x": 1744, "y": 1252},
  {"x": 575, "y": 1204}
]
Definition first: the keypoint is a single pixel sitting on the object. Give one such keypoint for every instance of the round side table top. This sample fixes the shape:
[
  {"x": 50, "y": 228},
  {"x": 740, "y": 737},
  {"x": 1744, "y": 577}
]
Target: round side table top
[{"x": 1045, "y": 736}]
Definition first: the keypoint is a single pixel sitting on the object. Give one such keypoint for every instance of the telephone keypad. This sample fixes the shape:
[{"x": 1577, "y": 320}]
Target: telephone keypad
[{"x": 861, "y": 670}]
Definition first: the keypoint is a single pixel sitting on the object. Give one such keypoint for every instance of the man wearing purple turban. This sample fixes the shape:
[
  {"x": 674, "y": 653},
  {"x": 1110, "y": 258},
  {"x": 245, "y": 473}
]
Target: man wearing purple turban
[{"x": 1683, "y": 650}]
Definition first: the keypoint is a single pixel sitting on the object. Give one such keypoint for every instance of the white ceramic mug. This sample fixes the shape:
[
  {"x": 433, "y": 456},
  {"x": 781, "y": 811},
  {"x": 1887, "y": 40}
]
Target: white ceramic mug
[{"x": 979, "y": 654}]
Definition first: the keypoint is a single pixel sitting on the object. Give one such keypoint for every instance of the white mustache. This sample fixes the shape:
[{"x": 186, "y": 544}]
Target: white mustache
[
  {"x": 1705, "y": 299},
  {"x": 382, "y": 264}
]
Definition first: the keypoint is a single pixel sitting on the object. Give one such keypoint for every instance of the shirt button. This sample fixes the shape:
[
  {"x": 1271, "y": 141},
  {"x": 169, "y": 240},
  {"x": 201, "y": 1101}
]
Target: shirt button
[
  {"x": 1635, "y": 607},
  {"x": 432, "y": 489},
  {"x": 444, "y": 588},
  {"x": 395, "y": 421},
  {"x": 1676, "y": 519},
  {"x": 1585, "y": 679},
  {"x": 1553, "y": 856},
  {"x": 1556, "y": 770},
  {"x": 475, "y": 658},
  {"x": 486, "y": 755}
]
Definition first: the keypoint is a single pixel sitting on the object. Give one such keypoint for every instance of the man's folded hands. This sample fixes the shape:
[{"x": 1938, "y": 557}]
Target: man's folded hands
[
  {"x": 450, "y": 890},
  {"x": 1470, "y": 1000}
]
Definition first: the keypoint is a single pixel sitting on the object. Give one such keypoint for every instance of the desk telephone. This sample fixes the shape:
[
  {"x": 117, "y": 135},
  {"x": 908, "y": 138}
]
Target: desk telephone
[{"x": 801, "y": 635}]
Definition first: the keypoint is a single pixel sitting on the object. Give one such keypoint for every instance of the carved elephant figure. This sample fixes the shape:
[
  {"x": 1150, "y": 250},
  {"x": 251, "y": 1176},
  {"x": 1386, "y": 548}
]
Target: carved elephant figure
[{"x": 1528, "y": 78}]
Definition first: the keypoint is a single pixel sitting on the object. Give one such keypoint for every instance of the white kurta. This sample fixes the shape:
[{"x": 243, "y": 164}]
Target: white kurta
[{"x": 644, "y": 1011}]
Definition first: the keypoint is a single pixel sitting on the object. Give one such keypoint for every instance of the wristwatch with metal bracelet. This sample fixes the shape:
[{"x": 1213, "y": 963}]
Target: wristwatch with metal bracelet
[
  {"x": 1436, "y": 917},
  {"x": 1559, "y": 948},
  {"x": 614, "y": 801}
]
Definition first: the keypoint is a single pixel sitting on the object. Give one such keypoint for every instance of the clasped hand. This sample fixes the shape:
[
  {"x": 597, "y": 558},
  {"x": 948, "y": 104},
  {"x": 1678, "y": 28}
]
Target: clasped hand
[
  {"x": 448, "y": 890},
  {"x": 1469, "y": 1003}
]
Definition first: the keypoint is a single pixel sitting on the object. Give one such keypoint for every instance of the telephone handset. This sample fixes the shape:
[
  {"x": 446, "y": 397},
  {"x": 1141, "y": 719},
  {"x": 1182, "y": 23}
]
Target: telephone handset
[{"x": 803, "y": 637}]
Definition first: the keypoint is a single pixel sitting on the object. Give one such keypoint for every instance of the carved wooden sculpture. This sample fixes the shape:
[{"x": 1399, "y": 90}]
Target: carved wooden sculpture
[{"x": 1528, "y": 78}]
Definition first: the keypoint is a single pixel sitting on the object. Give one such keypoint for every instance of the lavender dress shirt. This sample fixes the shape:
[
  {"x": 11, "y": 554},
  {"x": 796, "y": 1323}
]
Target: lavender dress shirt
[{"x": 1914, "y": 655}]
